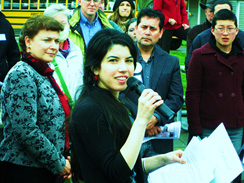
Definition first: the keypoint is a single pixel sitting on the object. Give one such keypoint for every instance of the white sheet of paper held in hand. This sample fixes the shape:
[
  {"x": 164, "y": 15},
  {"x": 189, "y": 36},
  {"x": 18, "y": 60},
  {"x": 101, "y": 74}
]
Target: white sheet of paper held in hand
[
  {"x": 211, "y": 160},
  {"x": 196, "y": 169},
  {"x": 228, "y": 163}
]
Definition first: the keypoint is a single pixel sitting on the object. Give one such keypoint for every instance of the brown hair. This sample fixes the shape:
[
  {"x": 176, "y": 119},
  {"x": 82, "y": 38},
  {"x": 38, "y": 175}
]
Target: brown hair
[
  {"x": 117, "y": 19},
  {"x": 36, "y": 23}
]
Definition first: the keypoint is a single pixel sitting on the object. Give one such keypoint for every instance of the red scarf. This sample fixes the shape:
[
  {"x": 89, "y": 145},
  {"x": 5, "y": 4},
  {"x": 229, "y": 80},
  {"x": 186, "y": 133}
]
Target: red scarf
[{"x": 43, "y": 69}]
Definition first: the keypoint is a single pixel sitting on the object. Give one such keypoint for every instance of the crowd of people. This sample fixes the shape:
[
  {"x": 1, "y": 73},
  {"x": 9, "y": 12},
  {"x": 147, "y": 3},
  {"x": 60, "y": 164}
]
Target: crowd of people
[{"x": 67, "y": 110}]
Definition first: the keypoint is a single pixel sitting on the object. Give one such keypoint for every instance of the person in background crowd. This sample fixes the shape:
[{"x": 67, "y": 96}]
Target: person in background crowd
[
  {"x": 105, "y": 142},
  {"x": 157, "y": 70},
  {"x": 9, "y": 52},
  {"x": 175, "y": 23},
  {"x": 203, "y": 37},
  {"x": 86, "y": 22},
  {"x": 215, "y": 87},
  {"x": 123, "y": 12},
  {"x": 34, "y": 110},
  {"x": 130, "y": 28},
  {"x": 69, "y": 59},
  {"x": 102, "y": 5},
  {"x": 194, "y": 31}
]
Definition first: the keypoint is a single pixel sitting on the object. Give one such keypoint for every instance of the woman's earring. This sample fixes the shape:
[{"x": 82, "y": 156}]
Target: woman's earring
[
  {"x": 95, "y": 78},
  {"x": 29, "y": 50}
]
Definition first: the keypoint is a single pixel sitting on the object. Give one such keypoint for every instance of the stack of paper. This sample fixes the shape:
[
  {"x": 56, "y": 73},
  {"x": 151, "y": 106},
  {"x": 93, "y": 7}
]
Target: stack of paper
[{"x": 212, "y": 159}]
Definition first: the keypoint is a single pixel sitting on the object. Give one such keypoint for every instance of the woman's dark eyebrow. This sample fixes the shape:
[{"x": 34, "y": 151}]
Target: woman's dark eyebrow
[
  {"x": 118, "y": 57},
  {"x": 112, "y": 57}
]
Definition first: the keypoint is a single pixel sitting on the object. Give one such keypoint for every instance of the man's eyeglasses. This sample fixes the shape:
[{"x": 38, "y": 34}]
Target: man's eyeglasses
[{"x": 228, "y": 29}]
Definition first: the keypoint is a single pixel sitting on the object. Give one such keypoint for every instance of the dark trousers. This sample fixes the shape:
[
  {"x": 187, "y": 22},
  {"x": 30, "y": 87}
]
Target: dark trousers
[
  {"x": 11, "y": 173},
  {"x": 166, "y": 39}
]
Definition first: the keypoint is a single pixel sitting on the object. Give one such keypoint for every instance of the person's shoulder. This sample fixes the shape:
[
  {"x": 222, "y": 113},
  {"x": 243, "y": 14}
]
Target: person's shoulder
[
  {"x": 240, "y": 33},
  {"x": 21, "y": 72},
  {"x": 160, "y": 52},
  {"x": 75, "y": 18},
  {"x": 2, "y": 16},
  {"x": 115, "y": 26},
  {"x": 101, "y": 14},
  {"x": 201, "y": 39},
  {"x": 205, "y": 49},
  {"x": 4, "y": 22},
  {"x": 21, "y": 67},
  {"x": 73, "y": 46},
  {"x": 205, "y": 33},
  {"x": 87, "y": 113},
  {"x": 88, "y": 102},
  {"x": 197, "y": 29},
  {"x": 86, "y": 108}
]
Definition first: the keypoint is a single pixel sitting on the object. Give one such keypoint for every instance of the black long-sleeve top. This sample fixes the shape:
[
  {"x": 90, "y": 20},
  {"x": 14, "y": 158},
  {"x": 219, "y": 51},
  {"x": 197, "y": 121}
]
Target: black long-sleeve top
[{"x": 98, "y": 157}]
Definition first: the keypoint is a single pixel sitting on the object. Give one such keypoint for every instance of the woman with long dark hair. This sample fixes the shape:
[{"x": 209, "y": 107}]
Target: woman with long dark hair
[
  {"x": 105, "y": 140},
  {"x": 123, "y": 12}
]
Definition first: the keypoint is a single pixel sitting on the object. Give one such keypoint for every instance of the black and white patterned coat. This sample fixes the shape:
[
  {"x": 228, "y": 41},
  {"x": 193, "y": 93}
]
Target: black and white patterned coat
[{"x": 33, "y": 120}]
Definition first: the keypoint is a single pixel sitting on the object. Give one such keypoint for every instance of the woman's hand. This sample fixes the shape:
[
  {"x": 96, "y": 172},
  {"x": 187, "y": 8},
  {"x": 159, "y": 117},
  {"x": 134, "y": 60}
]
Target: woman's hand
[
  {"x": 147, "y": 103},
  {"x": 174, "y": 156},
  {"x": 158, "y": 161},
  {"x": 66, "y": 172}
]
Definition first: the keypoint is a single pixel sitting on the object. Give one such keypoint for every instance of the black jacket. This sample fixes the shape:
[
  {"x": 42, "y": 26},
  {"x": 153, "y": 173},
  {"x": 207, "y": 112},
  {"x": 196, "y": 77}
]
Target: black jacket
[
  {"x": 9, "y": 50},
  {"x": 194, "y": 31}
]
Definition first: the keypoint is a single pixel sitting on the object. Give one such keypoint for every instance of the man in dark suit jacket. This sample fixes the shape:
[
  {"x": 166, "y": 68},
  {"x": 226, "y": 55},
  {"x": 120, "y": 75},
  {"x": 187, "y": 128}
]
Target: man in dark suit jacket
[{"x": 159, "y": 71}]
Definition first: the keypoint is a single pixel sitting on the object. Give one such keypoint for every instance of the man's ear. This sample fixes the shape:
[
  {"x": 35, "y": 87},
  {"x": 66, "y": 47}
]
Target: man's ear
[
  {"x": 237, "y": 30},
  {"x": 161, "y": 33},
  {"x": 212, "y": 31},
  {"x": 136, "y": 27}
]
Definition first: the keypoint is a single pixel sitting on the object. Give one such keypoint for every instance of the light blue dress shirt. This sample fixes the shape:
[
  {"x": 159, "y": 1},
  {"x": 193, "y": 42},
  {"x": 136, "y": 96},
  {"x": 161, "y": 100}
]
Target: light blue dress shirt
[{"x": 89, "y": 30}]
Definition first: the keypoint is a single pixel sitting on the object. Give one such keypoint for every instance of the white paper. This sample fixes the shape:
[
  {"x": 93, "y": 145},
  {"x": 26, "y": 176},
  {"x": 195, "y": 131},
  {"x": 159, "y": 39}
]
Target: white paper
[
  {"x": 168, "y": 131},
  {"x": 228, "y": 163},
  {"x": 212, "y": 159},
  {"x": 2, "y": 37},
  {"x": 196, "y": 170}
]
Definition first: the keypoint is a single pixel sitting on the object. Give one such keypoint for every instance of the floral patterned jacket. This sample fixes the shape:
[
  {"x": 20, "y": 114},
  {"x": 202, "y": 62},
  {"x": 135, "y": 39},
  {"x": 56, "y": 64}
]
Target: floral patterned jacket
[{"x": 33, "y": 120}]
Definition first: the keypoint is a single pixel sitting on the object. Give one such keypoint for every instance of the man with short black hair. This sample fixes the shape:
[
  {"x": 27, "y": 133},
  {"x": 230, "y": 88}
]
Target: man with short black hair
[
  {"x": 203, "y": 37},
  {"x": 215, "y": 82}
]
